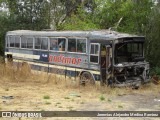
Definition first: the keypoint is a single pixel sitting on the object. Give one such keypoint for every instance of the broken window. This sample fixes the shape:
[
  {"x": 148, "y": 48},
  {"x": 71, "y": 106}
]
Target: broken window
[{"x": 127, "y": 52}]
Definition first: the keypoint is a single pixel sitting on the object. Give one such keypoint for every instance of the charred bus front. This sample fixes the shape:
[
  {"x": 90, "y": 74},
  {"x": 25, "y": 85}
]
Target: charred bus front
[{"x": 130, "y": 66}]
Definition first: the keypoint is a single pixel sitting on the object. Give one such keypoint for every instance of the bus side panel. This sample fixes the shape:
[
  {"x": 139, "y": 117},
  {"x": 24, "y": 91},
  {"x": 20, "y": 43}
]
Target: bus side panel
[
  {"x": 43, "y": 56},
  {"x": 6, "y": 53},
  {"x": 69, "y": 59},
  {"x": 40, "y": 60},
  {"x": 71, "y": 64}
]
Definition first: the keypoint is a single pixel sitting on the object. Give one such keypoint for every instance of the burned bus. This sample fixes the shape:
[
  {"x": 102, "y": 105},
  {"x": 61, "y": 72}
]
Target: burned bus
[{"x": 110, "y": 57}]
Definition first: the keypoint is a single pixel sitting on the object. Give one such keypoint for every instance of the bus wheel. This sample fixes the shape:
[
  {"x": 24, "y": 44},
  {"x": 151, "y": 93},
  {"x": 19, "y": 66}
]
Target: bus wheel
[{"x": 86, "y": 79}]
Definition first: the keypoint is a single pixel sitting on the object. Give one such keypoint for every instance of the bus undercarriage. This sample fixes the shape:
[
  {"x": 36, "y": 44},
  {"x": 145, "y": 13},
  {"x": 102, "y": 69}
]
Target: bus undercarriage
[{"x": 131, "y": 73}]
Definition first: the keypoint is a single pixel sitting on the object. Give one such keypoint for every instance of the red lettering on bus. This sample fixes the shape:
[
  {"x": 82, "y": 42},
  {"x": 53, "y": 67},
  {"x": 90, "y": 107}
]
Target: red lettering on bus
[
  {"x": 55, "y": 59},
  {"x": 74, "y": 61},
  {"x": 50, "y": 58},
  {"x": 65, "y": 60},
  {"x": 79, "y": 61}
]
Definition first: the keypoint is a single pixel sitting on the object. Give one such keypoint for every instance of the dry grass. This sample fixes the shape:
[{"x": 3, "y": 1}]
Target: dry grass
[
  {"x": 10, "y": 73},
  {"x": 39, "y": 91}
]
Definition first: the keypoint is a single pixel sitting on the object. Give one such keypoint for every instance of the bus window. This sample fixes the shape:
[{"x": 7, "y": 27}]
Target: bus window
[
  {"x": 17, "y": 41},
  {"x": 26, "y": 42},
  {"x": 81, "y": 45},
  {"x": 94, "y": 53},
  {"x": 54, "y": 44},
  {"x": 44, "y": 44},
  {"x": 71, "y": 45},
  {"x": 57, "y": 44},
  {"x": 77, "y": 45},
  {"x": 23, "y": 42},
  {"x": 37, "y": 43},
  {"x": 29, "y": 42},
  {"x": 61, "y": 44},
  {"x": 14, "y": 41},
  {"x": 41, "y": 43},
  {"x": 11, "y": 41}
]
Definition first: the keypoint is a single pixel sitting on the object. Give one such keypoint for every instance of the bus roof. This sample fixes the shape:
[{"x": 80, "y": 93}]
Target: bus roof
[{"x": 101, "y": 34}]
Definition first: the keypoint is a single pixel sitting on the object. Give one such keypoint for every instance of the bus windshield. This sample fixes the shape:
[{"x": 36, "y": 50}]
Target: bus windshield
[{"x": 128, "y": 52}]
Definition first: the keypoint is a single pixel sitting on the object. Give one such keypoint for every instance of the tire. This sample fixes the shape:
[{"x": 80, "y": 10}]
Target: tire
[{"x": 86, "y": 79}]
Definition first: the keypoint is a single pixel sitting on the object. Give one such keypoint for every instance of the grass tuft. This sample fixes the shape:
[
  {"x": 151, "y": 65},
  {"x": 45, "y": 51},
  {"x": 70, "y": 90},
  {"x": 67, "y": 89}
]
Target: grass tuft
[
  {"x": 82, "y": 102},
  {"x": 120, "y": 106},
  {"x": 46, "y": 97},
  {"x": 66, "y": 98},
  {"x": 70, "y": 108},
  {"x": 58, "y": 103},
  {"x": 47, "y": 103},
  {"x": 7, "y": 89},
  {"x": 109, "y": 100},
  {"x": 102, "y": 98}
]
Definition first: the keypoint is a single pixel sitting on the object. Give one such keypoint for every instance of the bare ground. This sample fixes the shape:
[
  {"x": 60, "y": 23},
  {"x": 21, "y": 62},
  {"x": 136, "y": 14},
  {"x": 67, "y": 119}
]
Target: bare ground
[{"x": 43, "y": 92}]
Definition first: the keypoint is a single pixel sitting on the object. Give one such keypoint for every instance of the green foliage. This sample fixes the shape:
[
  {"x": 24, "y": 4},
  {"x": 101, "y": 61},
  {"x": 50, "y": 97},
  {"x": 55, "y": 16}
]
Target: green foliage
[
  {"x": 133, "y": 14},
  {"x": 46, "y": 97},
  {"x": 102, "y": 98},
  {"x": 4, "y": 25},
  {"x": 120, "y": 106},
  {"x": 31, "y": 15},
  {"x": 153, "y": 37},
  {"x": 81, "y": 21},
  {"x": 155, "y": 71},
  {"x": 75, "y": 23},
  {"x": 108, "y": 14},
  {"x": 66, "y": 98}
]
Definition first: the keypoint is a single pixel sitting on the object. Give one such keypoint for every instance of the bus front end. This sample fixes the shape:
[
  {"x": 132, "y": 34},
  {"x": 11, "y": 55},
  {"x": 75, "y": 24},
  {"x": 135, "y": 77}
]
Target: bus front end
[{"x": 130, "y": 67}]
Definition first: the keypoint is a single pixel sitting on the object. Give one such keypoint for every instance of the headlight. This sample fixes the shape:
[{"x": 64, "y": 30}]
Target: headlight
[{"x": 119, "y": 67}]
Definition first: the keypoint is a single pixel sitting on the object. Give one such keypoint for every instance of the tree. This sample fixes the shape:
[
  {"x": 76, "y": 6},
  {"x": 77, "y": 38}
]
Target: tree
[
  {"x": 29, "y": 14},
  {"x": 132, "y": 15},
  {"x": 22, "y": 14},
  {"x": 57, "y": 13},
  {"x": 4, "y": 25},
  {"x": 82, "y": 20},
  {"x": 153, "y": 37}
]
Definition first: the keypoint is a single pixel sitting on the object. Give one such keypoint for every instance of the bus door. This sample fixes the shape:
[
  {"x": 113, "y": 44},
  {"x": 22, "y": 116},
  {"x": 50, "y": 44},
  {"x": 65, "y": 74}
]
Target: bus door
[{"x": 105, "y": 62}]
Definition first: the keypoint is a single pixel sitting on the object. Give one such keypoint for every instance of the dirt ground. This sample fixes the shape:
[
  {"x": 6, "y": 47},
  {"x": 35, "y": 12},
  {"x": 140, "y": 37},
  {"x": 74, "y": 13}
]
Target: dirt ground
[{"x": 48, "y": 96}]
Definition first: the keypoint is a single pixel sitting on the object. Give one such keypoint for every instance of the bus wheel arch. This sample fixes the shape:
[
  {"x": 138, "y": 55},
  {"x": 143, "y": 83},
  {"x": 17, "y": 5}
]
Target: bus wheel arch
[
  {"x": 9, "y": 58},
  {"x": 86, "y": 77}
]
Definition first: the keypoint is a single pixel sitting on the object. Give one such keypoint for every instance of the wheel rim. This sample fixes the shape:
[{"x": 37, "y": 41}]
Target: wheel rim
[{"x": 87, "y": 78}]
